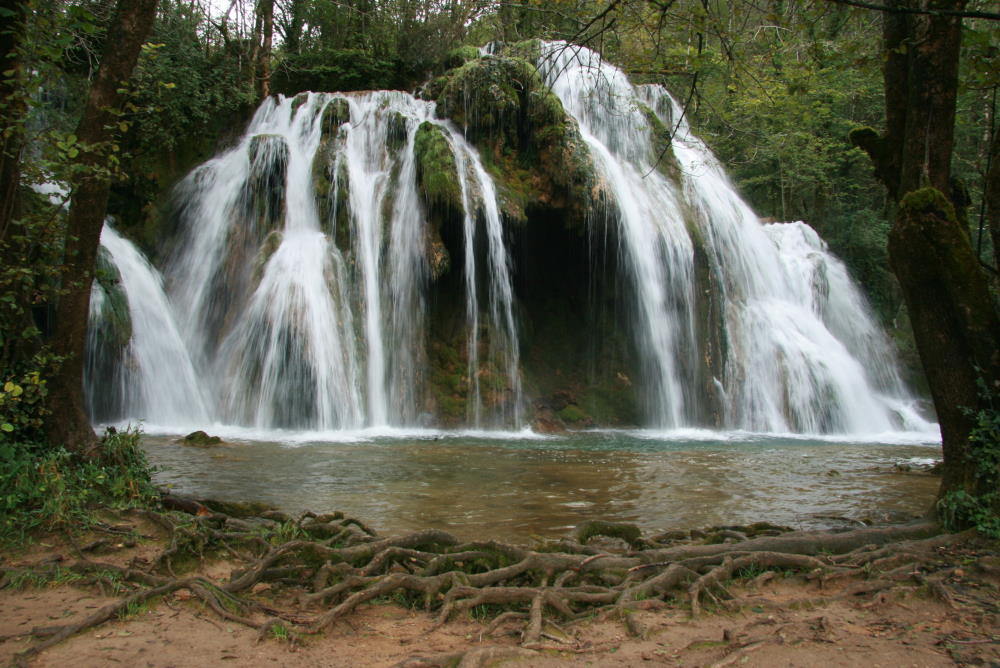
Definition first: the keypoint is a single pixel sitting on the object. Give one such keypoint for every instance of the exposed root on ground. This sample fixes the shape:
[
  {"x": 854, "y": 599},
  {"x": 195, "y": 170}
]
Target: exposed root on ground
[{"x": 332, "y": 564}]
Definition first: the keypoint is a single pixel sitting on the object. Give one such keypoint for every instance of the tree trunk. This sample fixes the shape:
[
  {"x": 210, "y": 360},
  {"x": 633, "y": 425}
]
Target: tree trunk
[
  {"x": 992, "y": 197},
  {"x": 12, "y": 15},
  {"x": 262, "y": 62},
  {"x": 955, "y": 323},
  {"x": 954, "y": 317},
  {"x": 68, "y": 424},
  {"x": 294, "y": 36}
]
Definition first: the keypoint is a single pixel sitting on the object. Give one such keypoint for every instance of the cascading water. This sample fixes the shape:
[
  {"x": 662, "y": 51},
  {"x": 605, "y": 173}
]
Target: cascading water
[
  {"x": 302, "y": 275},
  {"x": 801, "y": 350},
  {"x": 301, "y": 282},
  {"x": 137, "y": 365}
]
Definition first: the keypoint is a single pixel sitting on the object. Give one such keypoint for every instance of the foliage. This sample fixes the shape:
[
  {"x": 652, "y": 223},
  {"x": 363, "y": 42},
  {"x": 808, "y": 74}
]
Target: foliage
[
  {"x": 980, "y": 507},
  {"x": 51, "y": 488}
]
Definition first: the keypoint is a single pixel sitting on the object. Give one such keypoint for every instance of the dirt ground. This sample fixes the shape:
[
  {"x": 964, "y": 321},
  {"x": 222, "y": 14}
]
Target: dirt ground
[{"x": 789, "y": 622}]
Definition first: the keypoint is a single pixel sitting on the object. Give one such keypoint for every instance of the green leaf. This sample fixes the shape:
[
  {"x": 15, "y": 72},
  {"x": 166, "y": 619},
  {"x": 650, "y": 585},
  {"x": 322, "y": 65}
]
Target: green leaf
[{"x": 7, "y": 427}]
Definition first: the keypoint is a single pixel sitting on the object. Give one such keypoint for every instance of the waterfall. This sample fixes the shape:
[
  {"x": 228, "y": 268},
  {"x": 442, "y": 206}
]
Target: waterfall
[
  {"x": 304, "y": 285},
  {"x": 302, "y": 273},
  {"x": 801, "y": 350},
  {"x": 137, "y": 366}
]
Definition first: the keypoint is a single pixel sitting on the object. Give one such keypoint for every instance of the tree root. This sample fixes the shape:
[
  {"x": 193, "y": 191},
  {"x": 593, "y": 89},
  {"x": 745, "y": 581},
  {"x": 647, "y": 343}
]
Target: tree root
[{"x": 341, "y": 564}]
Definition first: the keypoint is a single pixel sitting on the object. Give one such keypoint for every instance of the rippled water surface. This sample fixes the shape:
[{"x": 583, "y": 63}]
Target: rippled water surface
[{"x": 519, "y": 485}]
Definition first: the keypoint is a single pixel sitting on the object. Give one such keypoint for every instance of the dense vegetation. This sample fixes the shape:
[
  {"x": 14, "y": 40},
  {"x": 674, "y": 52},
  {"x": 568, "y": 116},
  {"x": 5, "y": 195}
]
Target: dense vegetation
[{"x": 774, "y": 87}]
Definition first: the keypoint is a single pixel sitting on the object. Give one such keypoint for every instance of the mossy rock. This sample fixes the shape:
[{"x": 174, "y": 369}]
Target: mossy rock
[
  {"x": 448, "y": 382},
  {"x": 433, "y": 88},
  {"x": 271, "y": 243},
  {"x": 115, "y": 318},
  {"x": 526, "y": 140},
  {"x": 629, "y": 533},
  {"x": 331, "y": 187},
  {"x": 396, "y": 131},
  {"x": 298, "y": 101},
  {"x": 499, "y": 96},
  {"x": 200, "y": 439},
  {"x": 437, "y": 173},
  {"x": 336, "y": 112},
  {"x": 662, "y": 155},
  {"x": 572, "y": 414},
  {"x": 239, "y": 509},
  {"x": 438, "y": 258},
  {"x": 268, "y": 156},
  {"x": 460, "y": 56}
]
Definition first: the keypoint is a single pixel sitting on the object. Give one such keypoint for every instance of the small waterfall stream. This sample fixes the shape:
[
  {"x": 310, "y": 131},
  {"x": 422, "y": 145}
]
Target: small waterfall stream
[
  {"x": 298, "y": 293},
  {"x": 150, "y": 375}
]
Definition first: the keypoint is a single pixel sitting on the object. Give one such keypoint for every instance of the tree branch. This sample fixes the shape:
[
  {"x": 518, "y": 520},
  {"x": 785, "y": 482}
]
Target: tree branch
[{"x": 990, "y": 16}]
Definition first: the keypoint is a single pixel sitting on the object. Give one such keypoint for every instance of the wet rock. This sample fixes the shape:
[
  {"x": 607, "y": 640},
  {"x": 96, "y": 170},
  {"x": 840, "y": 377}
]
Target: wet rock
[
  {"x": 200, "y": 439},
  {"x": 629, "y": 533}
]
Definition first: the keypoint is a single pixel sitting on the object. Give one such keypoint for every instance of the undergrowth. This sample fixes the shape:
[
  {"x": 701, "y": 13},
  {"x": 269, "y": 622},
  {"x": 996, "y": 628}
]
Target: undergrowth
[
  {"x": 980, "y": 509},
  {"x": 46, "y": 488}
]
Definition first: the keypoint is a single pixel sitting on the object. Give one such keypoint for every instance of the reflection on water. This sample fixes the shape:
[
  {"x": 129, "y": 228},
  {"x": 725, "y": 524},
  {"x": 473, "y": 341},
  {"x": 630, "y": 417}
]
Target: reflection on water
[{"x": 478, "y": 486}]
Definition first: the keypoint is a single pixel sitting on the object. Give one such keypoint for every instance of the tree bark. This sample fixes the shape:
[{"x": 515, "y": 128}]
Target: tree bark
[
  {"x": 955, "y": 323},
  {"x": 12, "y": 15},
  {"x": 294, "y": 36},
  {"x": 954, "y": 318},
  {"x": 992, "y": 196},
  {"x": 262, "y": 65},
  {"x": 68, "y": 425}
]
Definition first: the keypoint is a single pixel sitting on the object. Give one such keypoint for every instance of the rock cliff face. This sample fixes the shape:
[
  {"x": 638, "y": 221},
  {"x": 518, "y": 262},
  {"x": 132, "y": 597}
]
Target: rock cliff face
[
  {"x": 531, "y": 242},
  {"x": 576, "y": 365}
]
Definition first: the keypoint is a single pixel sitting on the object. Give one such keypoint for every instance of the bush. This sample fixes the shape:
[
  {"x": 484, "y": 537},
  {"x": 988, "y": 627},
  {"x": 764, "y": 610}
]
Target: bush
[{"x": 52, "y": 488}]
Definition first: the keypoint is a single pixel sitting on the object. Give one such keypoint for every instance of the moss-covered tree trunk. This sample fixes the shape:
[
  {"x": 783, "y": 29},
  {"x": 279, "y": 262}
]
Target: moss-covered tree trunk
[
  {"x": 954, "y": 317},
  {"x": 68, "y": 425},
  {"x": 954, "y": 320}
]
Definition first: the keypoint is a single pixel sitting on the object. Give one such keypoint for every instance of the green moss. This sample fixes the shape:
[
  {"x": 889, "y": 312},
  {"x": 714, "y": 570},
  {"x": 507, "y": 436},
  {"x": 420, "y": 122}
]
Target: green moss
[
  {"x": 433, "y": 88},
  {"x": 437, "y": 173},
  {"x": 116, "y": 319},
  {"x": 629, "y": 533},
  {"x": 497, "y": 97},
  {"x": 532, "y": 148},
  {"x": 460, "y": 56},
  {"x": 666, "y": 161},
  {"x": 572, "y": 413},
  {"x": 927, "y": 200},
  {"x": 271, "y": 243},
  {"x": 863, "y": 136},
  {"x": 342, "y": 208}
]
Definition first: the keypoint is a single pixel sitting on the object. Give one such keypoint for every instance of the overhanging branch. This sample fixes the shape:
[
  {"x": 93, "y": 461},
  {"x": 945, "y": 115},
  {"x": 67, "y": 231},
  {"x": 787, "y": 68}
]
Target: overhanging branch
[{"x": 991, "y": 16}]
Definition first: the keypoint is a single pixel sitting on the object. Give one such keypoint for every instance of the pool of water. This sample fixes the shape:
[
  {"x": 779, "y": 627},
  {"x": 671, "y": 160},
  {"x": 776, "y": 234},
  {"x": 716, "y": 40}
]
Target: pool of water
[{"x": 518, "y": 485}]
